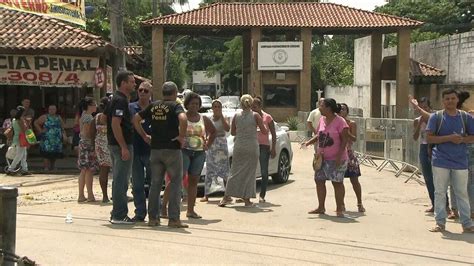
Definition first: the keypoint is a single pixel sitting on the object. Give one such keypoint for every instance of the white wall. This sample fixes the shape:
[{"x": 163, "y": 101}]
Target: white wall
[
  {"x": 362, "y": 61},
  {"x": 354, "y": 96}
]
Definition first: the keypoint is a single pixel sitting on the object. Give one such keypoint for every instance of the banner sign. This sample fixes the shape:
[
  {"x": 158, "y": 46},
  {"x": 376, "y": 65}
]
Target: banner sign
[
  {"x": 47, "y": 70},
  {"x": 280, "y": 55},
  {"x": 72, "y": 11}
]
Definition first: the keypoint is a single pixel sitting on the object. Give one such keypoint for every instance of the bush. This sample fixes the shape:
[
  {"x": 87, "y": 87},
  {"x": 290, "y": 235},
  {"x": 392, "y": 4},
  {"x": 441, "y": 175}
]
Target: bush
[{"x": 293, "y": 122}]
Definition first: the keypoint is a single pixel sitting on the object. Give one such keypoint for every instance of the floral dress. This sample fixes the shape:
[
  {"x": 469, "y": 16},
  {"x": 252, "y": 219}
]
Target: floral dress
[
  {"x": 217, "y": 159},
  {"x": 51, "y": 146},
  {"x": 101, "y": 145}
]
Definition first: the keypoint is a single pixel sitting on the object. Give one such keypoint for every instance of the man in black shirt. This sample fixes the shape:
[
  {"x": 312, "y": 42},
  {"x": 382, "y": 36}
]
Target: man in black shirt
[
  {"x": 120, "y": 140},
  {"x": 168, "y": 130}
]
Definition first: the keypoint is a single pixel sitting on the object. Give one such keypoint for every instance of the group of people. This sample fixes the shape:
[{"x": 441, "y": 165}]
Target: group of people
[
  {"x": 169, "y": 140},
  {"x": 334, "y": 134},
  {"x": 447, "y": 157}
]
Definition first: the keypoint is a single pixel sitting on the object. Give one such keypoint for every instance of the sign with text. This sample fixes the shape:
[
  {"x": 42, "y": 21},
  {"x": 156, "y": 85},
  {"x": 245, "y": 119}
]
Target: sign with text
[
  {"x": 47, "y": 70},
  {"x": 280, "y": 55},
  {"x": 72, "y": 11}
]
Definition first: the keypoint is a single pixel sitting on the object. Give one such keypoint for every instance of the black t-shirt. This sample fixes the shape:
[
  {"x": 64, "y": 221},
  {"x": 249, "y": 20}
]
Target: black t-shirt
[
  {"x": 164, "y": 123},
  {"x": 118, "y": 107}
]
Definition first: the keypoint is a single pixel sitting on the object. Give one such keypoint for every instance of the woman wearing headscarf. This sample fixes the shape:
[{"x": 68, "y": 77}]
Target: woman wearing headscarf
[{"x": 241, "y": 183}]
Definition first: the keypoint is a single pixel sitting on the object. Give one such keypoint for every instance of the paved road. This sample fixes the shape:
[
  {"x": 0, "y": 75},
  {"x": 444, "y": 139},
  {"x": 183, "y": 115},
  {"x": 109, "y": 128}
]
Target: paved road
[{"x": 393, "y": 231}]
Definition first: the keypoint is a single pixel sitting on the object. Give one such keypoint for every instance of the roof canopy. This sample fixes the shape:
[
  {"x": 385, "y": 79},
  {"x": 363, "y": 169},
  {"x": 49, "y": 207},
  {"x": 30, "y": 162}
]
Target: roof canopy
[
  {"x": 25, "y": 31},
  {"x": 325, "y": 17}
]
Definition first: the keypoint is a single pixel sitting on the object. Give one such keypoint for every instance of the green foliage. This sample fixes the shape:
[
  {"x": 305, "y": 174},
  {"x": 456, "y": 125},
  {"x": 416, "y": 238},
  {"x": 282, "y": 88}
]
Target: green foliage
[
  {"x": 176, "y": 69},
  {"x": 441, "y": 17},
  {"x": 293, "y": 122}
]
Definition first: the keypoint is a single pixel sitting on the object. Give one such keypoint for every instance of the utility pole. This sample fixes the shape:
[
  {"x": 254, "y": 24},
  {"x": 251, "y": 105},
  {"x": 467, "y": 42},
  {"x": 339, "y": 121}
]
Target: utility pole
[{"x": 116, "y": 32}]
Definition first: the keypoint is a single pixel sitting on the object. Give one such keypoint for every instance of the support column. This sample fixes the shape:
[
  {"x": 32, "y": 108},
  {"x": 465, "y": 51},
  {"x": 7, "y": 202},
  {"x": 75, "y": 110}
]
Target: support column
[
  {"x": 375, "y": 75},
  {"x": 246, "y": 62},
  {"x": 403, "y": 72},
  {"x": 157, "y": 42},
  {"x": 304, "y": 90},
  {"x": 433, "y": 93},
  {"x": 255, "y": 75}
]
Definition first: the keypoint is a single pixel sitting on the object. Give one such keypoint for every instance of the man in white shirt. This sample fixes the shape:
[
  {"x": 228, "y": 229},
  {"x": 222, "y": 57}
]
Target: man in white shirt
[{"x": 313, "y": 118}]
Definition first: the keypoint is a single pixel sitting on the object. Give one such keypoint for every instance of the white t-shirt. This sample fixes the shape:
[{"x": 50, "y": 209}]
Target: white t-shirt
[{"x": 314, "y": 117}]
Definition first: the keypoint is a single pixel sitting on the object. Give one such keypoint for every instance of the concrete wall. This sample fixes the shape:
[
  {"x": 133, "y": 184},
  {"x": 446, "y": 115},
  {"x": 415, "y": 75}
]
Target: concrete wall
[
  {"x": 354, "y": 96},
  {"x": 362, "y": 61},
  {"x": 454, "y": 54}
]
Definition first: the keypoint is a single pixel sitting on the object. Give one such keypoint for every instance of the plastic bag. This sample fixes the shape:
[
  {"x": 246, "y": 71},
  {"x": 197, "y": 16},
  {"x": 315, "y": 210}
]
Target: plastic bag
[
  {"x": 217, "y": 185},
  {"x": 11, "y": 153}
]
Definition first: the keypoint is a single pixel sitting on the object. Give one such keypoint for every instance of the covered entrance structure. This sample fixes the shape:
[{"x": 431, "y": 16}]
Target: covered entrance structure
[
  {"x": 277, "y": 41},
  {"x": 49, "y": 62}
]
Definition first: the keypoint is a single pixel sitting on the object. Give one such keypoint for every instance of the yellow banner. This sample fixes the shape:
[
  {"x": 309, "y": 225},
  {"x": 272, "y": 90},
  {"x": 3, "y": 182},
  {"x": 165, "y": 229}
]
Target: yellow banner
[
  {"x": 68, "y": 10},
  {"x": 47, "y": 70}
]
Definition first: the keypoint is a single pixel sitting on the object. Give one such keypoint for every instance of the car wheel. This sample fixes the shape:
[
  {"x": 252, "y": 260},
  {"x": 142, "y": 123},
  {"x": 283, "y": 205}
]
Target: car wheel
[{"x": 284, "y": 167}]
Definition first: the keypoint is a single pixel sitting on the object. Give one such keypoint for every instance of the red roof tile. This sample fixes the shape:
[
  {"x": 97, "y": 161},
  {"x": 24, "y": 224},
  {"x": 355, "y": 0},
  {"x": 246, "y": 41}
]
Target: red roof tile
[
  {"x": 21, "y": 30},
  {"x": 296, "y": 14},
  {"x": 422, "y": 69}
]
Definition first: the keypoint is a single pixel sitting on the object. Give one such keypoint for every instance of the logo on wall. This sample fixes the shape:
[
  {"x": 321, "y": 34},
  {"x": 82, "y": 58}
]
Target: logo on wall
[{"x": 280, "y": 56}]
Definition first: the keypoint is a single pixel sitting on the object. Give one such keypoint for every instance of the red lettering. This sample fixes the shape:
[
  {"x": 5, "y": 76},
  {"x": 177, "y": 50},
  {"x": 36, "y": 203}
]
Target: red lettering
[
  {"x": 14, "y": 75},
  {"x": 30, "y": 76},
  {"x": 72, "y": 77},
  {"x": 45, "y": 77}
]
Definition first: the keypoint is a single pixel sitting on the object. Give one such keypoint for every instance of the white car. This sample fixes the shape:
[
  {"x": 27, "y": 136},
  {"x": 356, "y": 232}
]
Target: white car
[
  {"x": 206, "y": 103},
  {"x": 279, "y": 167}
]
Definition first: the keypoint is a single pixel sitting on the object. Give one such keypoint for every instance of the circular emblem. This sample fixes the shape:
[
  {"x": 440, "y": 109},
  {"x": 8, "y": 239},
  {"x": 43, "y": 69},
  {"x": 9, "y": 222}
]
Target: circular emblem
[{"x": 280, "y": 56}]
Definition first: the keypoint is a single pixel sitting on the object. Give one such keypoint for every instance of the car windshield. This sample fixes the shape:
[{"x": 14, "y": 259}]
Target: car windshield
[
  {"x": 230, "y": 101},
  {"x": 206, "y": 99}
]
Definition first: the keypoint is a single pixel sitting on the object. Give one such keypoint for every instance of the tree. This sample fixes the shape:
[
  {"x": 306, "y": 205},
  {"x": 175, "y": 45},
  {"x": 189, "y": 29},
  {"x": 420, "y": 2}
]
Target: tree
[{"x": 441, "y": 17}]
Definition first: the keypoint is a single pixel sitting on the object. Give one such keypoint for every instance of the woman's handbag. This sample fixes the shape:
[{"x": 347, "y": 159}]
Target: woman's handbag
[{"x": 318, "y": 158}]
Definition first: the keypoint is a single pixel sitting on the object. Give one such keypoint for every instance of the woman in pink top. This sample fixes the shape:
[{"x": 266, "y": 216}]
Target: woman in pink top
[{"x": 332, "y": 141}]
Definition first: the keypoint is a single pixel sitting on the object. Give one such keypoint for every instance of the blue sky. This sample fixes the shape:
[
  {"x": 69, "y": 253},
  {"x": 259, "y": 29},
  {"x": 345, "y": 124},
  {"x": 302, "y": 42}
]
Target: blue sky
[{"x": 361, "y": 4}]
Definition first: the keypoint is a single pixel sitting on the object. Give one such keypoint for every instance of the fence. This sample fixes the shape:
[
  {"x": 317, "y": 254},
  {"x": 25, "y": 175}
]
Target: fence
[{"x": 387, "y": 138}]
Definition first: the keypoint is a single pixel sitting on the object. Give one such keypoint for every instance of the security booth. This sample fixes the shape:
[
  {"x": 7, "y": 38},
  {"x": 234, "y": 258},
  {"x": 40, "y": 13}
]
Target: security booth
[
  {"x": 49, "y": 62},
  {"x": 277, "y": 45}
]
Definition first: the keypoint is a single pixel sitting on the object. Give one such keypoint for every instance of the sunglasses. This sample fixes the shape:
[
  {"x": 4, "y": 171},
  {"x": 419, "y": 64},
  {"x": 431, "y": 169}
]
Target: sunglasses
[{"x": 143, "y": 90}]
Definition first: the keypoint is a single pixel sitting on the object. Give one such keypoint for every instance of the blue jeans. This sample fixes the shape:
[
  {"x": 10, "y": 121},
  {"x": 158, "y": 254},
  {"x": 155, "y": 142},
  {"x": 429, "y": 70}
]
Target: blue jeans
[
  {"x": 193, "y": 161},
  {"x": 171, "y": 162},
  {"x": 264, "y": 160},
  {"x": 470, "y": 182},
  {"x": 458, "y": 180},
  {"x": 427, "y": 171},
  {"x": 140, "y": 173},
  {"x": 121, "y": 173}
]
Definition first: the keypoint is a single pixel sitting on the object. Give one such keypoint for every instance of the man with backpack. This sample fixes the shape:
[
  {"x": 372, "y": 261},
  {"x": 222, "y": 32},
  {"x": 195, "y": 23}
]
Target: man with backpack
[{"x": 449, "y": 130}]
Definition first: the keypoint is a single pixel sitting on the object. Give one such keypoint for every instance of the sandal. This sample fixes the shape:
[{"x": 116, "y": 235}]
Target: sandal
[
  {"x": 437, "y": 228},
  {"x": 468, "y": 229},
  {"x": 360, "y": 208},
  {"x": 340, "y": 214},
  {"x": 430, "y": 210},
  {"x": 317, "y": 211},
  {"x": 453, "y": 215},
  {"x": 193, "y": 215},
  {"x": 224, "y": 202},
  {"x": 204, "y": 199}
]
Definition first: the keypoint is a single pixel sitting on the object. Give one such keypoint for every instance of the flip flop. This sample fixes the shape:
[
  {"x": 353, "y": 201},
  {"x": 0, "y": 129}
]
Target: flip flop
[
  {"x": 317, "y": 211},
  {"x": 437, "y": 228},
  {"x": 193, "y": 215}
]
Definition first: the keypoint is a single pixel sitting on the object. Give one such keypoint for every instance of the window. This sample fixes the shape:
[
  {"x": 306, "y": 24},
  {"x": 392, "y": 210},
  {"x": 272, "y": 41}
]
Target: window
[{"x": 280, "y": 95}]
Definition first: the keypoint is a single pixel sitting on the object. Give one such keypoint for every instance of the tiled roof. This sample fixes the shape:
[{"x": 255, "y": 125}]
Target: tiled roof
[
  {"x": 422, "y": 69},
  {"x": 296, "y": 14},
  {"x": 21, "y": 30}
]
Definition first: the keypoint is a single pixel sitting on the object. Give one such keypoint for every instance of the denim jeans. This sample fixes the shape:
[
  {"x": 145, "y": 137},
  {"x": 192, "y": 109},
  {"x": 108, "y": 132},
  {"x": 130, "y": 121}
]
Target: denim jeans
[
  {"x": 121, "y": 173},
  {"x": 140, "y": 173},
  {"x": 171, "y": 162},
  {"x": 20, "y": 158},
  {"x": 427, "y": 171},
  {"x": 458, "y": 181},
  {"x": 470, "y": 182},
  {"x": 264, "y": 160}
]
